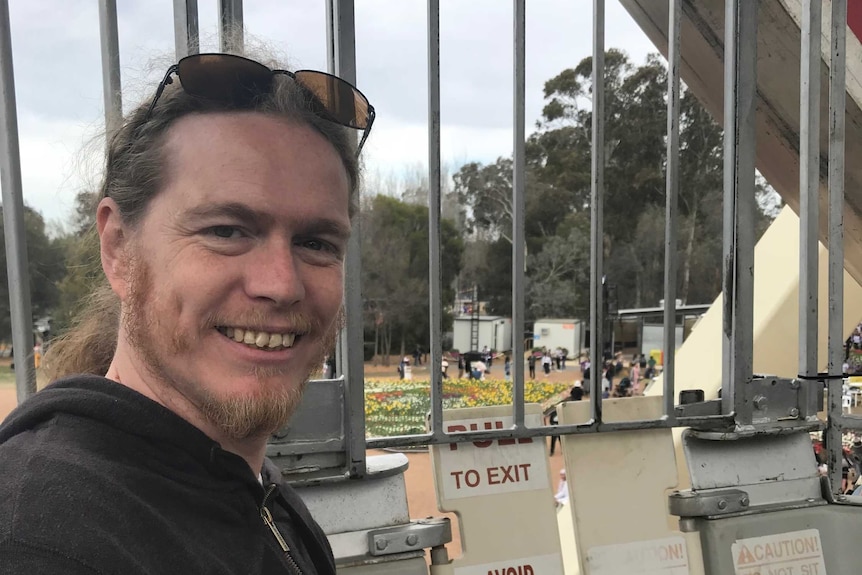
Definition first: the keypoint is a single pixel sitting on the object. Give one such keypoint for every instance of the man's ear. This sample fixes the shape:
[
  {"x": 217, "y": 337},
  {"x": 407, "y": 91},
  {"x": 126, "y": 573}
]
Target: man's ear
[{"x": 113, "y": 240}]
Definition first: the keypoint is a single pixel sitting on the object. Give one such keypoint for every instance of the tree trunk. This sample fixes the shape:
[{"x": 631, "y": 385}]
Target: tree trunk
[
  {"x": 387, "y": 343},
  {"x": 689, "y": 249},
  {"x": 376, "y": 342}
]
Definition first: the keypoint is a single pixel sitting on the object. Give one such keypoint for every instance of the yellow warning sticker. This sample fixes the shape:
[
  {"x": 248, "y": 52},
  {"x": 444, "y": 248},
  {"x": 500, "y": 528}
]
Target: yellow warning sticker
[{"x": 794, "y": 553}]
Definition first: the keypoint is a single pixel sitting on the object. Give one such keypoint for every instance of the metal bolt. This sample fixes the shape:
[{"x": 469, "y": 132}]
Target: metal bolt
[
  {"x": 722, "y": 504},
  {"x": 759, "y": 402},
  {"x": 795, "y": 383},
  {"x": 794, "y": 412},
  {"x": 743, "y": 501},
  {"x": 412, "y": 539},
  {"x": 382, "y": 544}
]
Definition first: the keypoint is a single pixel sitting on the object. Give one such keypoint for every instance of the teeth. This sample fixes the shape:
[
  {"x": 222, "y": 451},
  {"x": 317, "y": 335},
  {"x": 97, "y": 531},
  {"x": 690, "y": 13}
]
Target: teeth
[
  {"x": 260, "y": 339},
  {"x": 275, "y": 340}
]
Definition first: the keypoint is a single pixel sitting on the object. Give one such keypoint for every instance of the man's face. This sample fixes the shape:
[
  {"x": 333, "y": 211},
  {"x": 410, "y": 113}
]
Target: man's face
[{"x": 235, "y": 281}]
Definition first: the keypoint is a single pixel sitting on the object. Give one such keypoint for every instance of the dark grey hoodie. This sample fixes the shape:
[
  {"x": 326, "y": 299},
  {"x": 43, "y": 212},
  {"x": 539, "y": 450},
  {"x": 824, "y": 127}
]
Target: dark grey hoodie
[{"x": 96, "y": 478}]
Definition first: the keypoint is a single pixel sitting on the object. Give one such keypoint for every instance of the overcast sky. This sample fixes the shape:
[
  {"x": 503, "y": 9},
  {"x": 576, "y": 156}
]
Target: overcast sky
[{"x": 59, "y": 87}]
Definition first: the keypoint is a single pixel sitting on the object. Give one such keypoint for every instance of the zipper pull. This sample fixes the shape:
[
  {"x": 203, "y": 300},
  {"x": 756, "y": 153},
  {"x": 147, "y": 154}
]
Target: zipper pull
[{"x": 267, "y": 519}]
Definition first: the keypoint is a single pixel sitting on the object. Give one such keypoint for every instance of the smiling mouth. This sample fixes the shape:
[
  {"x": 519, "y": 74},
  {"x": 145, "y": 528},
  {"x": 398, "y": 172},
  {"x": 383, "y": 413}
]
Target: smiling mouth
[{"x": 259, "y": 339}]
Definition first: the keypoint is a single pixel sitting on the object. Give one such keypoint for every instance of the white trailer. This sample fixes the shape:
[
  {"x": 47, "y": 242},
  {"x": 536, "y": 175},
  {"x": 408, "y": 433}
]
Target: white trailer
[
  {"x": 568, "y": 334},
  {"x": 494, "y": 331}
]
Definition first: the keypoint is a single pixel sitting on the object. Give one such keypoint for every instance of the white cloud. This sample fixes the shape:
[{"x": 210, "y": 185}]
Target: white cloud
[{"x": 58, "y": 72}]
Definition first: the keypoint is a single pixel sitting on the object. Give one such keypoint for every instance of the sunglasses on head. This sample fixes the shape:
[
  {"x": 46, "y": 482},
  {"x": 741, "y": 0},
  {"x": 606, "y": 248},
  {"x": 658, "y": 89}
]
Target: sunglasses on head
[{"x": 238, "y": 81}]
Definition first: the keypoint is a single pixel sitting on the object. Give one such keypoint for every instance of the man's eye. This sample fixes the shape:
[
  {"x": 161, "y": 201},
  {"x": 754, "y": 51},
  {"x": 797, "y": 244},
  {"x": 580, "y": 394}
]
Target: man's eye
[
  {"x": 315, "y": 245},
  {"x": 224, "y": 231}
]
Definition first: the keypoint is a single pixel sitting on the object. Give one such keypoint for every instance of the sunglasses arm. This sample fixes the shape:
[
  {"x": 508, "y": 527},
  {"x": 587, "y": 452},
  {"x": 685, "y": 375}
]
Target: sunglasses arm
[
  {"x": 165, "y": 81},
  {"x": 371, "y": 115}
]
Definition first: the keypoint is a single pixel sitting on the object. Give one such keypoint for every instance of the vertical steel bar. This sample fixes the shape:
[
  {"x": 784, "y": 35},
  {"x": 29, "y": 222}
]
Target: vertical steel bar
[
  {"x": 597, "y": 188},
  {"x": 17, "y": 264},
  {"x": 518, "y": 217},
  {"x": 671, "y": 204},
  {"x": 837, "y": 76},
  {"x": 434, "y": 206},
  {"x": 341, "y": 52},
  {"x": 740, "y": 89},
  {"x": 186, "y": 34},
  {"x": 809, "y": 185},
  {"x": 111, "y": 88},
  {"x": 230, "y": 26}
]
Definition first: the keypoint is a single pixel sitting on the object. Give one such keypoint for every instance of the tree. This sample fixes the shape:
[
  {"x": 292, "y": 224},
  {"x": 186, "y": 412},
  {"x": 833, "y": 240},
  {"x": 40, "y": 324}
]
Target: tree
[
  {"x": 46, "y": 267},
  {"x": 395, "y": 271}
]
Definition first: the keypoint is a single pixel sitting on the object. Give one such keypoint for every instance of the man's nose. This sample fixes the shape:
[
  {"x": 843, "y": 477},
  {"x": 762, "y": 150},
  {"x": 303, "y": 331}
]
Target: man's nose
[{"x": 276, "y": 274}]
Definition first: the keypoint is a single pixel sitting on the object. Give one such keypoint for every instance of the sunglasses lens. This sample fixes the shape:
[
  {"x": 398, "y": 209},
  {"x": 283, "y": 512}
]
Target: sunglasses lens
[
  {"x": 224, "y": 77},
  {"x": 344, "y": 103}
]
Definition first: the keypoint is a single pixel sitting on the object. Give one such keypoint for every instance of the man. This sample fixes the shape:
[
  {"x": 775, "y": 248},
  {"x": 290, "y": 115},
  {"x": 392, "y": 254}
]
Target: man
[{"x": 223, "y": 222}]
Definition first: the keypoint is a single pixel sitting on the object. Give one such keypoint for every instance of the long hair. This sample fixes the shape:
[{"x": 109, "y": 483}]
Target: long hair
[{"x": 135, "y": 169}]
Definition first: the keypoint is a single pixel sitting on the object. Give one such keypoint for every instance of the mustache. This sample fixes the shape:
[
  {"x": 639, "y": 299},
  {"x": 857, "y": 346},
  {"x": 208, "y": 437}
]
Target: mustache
[{"x": 293, "y": 321}]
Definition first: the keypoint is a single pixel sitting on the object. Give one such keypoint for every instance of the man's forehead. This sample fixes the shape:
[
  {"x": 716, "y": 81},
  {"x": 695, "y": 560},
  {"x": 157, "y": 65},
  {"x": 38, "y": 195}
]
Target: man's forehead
[{"x": 256, "y": 160}]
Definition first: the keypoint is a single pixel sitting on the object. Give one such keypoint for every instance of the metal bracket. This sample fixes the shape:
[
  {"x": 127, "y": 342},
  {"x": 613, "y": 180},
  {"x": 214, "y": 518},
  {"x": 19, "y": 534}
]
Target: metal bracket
[
  {"x": 416, "y": 535},
  {"x": 778, "y": 405},
  {"x": 719, "y": 502}
]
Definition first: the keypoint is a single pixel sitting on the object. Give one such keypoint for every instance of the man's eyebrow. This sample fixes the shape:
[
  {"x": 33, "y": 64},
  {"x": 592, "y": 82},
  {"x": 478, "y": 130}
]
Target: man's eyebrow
[
  {"x": 325, "y": 226},
  {"x": 243, "y": 213},
  {"x": 234, "y": 210}
]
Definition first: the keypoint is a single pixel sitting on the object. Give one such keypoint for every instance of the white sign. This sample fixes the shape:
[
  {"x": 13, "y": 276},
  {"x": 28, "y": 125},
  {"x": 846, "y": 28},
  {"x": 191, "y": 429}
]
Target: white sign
[
  {"x": 540, "y": 565},
  {"x": 491, "y": 467},
  {"x": 657, "y": 557},
  {"x": 794, "y": 553}
]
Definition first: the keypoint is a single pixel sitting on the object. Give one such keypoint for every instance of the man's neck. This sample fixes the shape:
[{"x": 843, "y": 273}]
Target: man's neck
[{"x": 123, "y": 370}]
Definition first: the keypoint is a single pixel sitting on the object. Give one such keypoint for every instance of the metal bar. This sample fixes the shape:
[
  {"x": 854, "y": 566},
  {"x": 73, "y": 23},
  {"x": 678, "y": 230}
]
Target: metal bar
[
  {"x": 597, "y": 188},
  {"x": 837, "y": 87},
  {"x": 341, "y": 36},
  {"x": 230, "y": 26},
  {"x": 809, "y": 185},
  {"x": 740, "y": 88},
  {"x": 17, "y": 264},
  {"x": 111, "y": 88},
  {"x": 671, "y": 206},
  {"x": 434, "y": 185},
  {"x": 518, "y": 217},
  {"x": 186, "y": 34},
  {"x": 544, "y": 431}
]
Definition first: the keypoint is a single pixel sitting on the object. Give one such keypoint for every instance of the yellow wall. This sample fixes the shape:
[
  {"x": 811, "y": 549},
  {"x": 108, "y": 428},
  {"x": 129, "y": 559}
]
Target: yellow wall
[{"x": 776, "y": 315}]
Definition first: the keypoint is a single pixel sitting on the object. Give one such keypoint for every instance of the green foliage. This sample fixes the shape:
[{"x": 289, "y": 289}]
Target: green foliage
[
  {"x": 395, "y": 271},
  {"x": 558, "y": 187},
  {"x": 46, "y": 267}
]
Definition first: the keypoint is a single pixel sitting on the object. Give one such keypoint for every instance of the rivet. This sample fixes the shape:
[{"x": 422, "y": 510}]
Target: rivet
[
  {"x": 743, "y": 501},
  {"x": 759, "y": 402},
  {"x": 794, "y": 412},
  {"x": 722, "y": 504},
  {"x": 412, "y": 539},
  {"x": 382, "y": 544}
]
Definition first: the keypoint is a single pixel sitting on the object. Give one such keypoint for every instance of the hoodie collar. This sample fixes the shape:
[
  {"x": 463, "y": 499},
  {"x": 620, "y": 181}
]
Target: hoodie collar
[{"x": 104, "y": 400}]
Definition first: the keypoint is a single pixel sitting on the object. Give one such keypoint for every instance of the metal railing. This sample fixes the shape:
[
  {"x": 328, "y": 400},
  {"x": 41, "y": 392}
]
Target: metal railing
[{"x": 740, "y": 103}]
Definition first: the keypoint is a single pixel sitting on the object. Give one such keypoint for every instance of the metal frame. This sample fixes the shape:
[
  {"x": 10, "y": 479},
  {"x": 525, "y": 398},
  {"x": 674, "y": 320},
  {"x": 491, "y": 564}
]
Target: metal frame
[
  {"x": 17, "y": 263},
  {"x": 186, "y": 34},
  {"x": 737, "y": 408}
]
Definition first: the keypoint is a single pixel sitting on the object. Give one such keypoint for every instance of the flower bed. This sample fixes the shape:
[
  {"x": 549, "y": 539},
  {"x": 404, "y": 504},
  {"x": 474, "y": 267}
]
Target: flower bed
[{"x": 400, "y": 407}]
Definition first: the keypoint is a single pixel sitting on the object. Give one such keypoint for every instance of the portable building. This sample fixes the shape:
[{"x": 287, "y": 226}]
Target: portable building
[
  {"x": 569, "y": 334},
  {"x": 493, "y": 330}
]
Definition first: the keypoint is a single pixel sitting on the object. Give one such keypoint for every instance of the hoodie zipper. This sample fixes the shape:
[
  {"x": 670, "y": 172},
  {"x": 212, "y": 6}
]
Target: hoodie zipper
[{"x": 269, "y": 522}]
